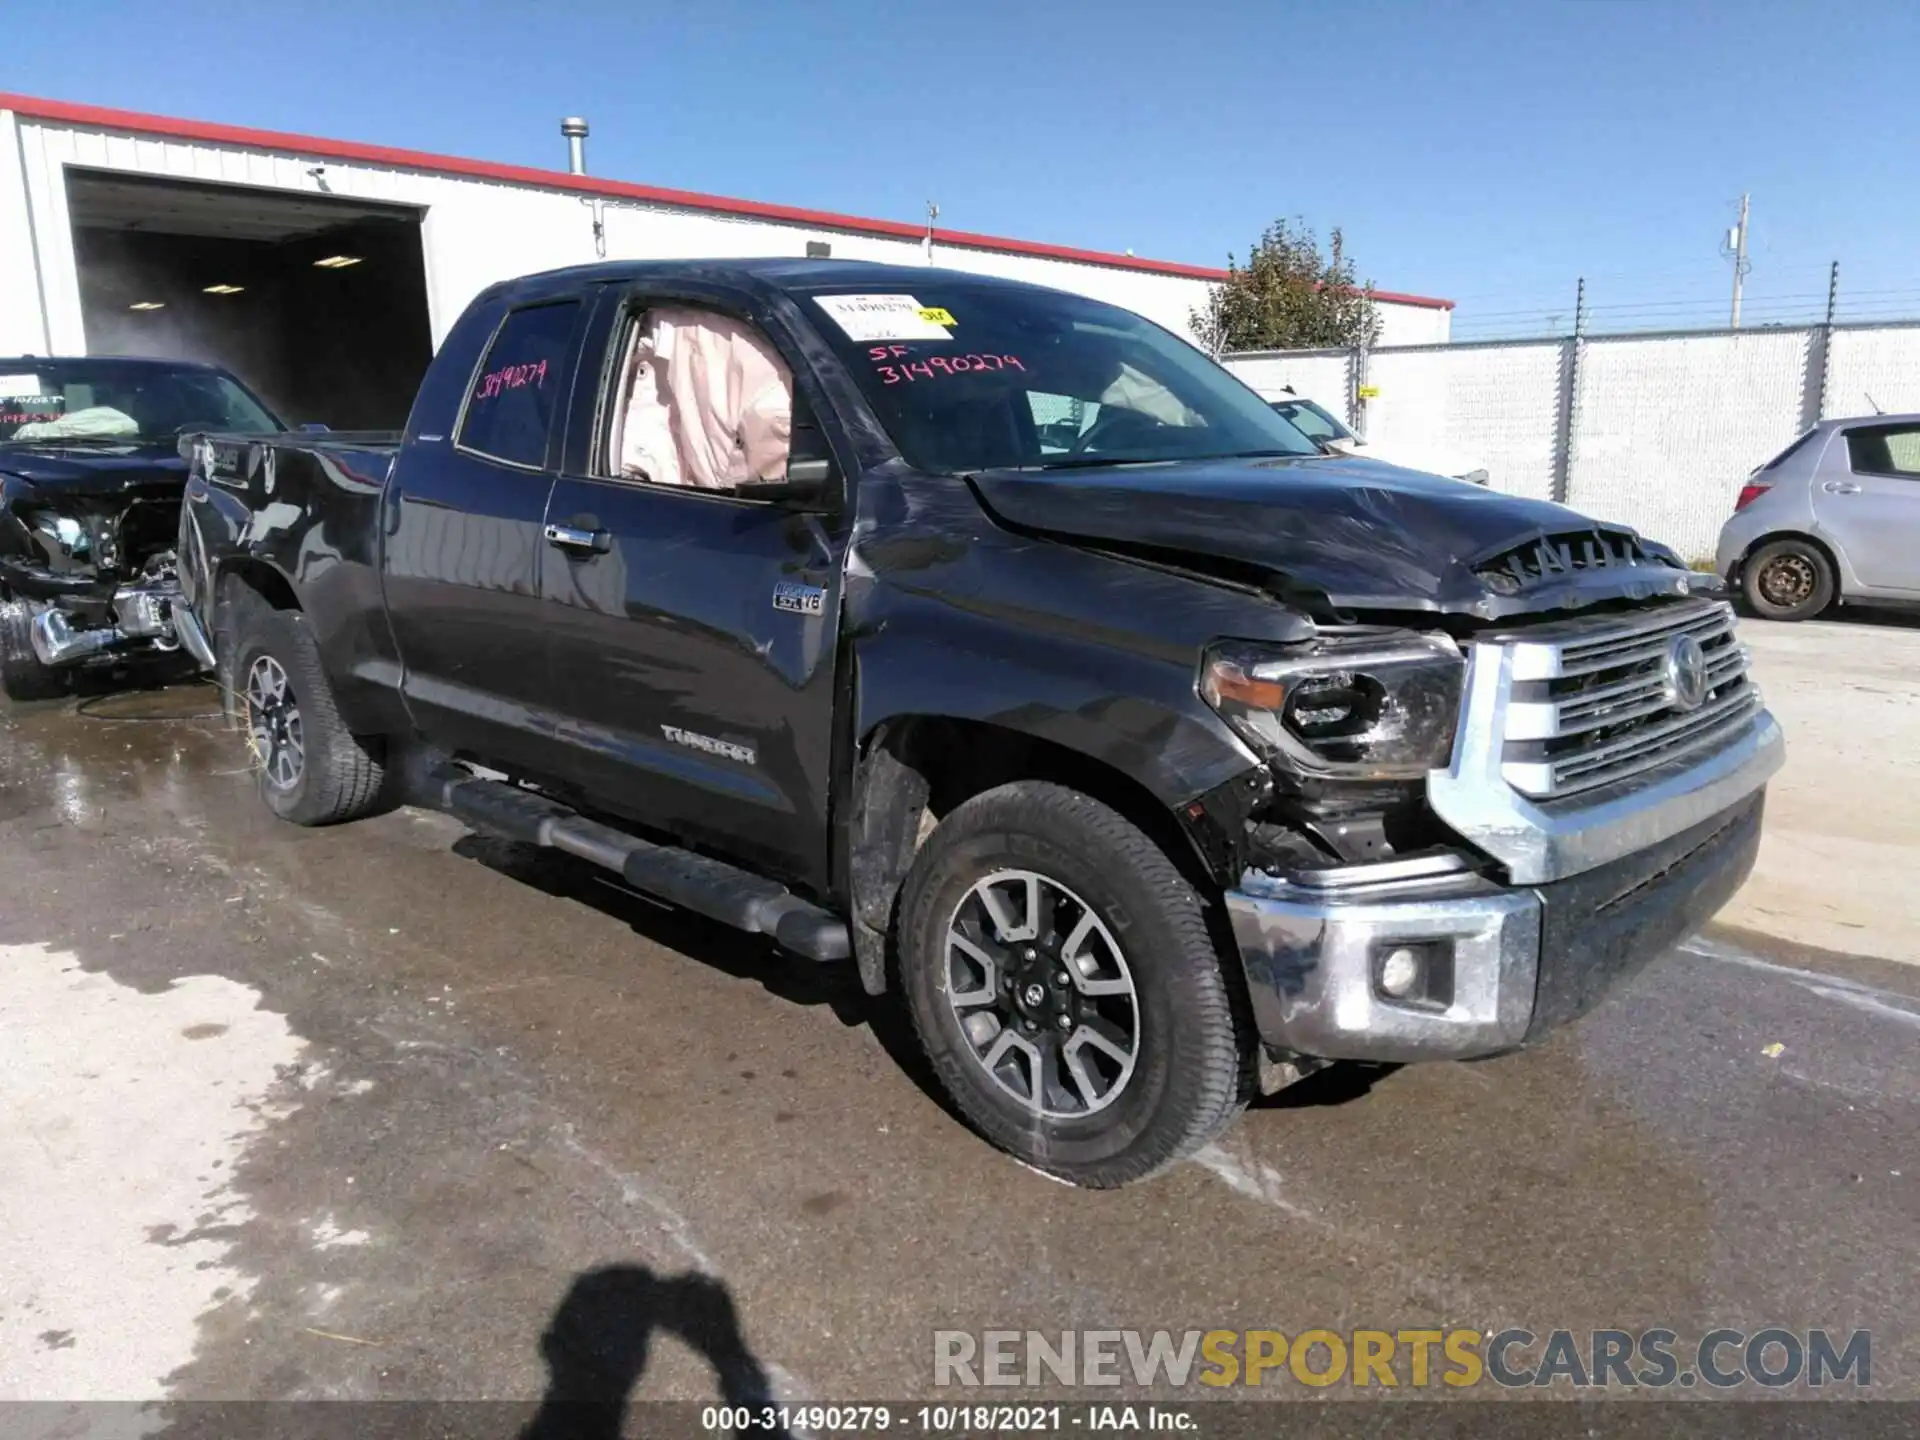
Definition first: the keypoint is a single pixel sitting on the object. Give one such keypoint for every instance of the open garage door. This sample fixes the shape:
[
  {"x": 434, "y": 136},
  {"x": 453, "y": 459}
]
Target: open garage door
[{"x": 319, "y": 304}]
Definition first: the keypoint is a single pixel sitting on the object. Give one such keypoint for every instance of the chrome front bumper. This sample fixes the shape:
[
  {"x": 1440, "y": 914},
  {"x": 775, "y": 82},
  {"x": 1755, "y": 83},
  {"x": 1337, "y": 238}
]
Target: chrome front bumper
[
  {"x": 1517, "y": 960},
  {"x": 1312, "y": 962}
]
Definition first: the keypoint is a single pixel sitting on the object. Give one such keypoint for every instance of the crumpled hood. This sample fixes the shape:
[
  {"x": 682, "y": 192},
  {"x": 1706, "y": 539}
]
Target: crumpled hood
[
  {"x": 1366, "y": 535},
  {"x": 150, "y": 468}
]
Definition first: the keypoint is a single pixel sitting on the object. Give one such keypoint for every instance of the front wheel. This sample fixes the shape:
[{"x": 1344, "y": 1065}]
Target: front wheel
[
  {"x": 312, "y": 770},
  {"x": 1066, "y": 988},
  {"x": 1787, "y": 580},
  {"x": 22, "y": 675}
]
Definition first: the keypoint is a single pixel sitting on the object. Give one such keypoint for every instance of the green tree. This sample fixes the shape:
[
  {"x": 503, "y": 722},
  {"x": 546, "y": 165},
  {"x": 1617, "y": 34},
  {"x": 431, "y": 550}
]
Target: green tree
[{"x": 1288, "y": 296}]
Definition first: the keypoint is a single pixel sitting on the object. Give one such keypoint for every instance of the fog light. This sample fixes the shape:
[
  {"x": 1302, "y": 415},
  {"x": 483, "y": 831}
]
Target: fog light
[{"x": 1400, "y": 973}]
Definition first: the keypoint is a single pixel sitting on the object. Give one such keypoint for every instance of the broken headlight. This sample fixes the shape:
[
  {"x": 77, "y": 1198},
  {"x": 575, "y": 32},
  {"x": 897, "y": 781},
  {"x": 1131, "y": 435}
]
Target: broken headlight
[
  {"x": 1378, "y": 705},
  {"x": 63, "y": 534}
]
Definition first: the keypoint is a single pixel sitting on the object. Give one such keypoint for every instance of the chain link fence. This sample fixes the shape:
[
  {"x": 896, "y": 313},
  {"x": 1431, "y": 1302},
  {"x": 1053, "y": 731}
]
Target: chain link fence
[{"x": 1657, "y": 431}]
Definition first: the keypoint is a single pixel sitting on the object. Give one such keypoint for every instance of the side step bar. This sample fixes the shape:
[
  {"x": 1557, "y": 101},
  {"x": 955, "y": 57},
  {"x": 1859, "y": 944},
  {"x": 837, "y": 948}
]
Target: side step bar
[{"x": 698, "y": 883}]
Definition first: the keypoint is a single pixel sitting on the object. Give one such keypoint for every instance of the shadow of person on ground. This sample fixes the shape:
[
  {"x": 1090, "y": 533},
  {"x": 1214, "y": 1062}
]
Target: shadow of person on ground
[{"x": 599, "y": 1340}]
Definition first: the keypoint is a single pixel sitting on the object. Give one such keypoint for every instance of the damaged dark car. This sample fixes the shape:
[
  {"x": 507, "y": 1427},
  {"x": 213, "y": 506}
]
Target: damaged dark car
[{"x": 91, "y": 476}]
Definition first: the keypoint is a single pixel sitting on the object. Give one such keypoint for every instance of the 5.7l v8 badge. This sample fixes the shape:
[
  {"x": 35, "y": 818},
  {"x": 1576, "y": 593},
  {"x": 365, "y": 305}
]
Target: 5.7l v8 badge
[{"x": 793, "y": 596}]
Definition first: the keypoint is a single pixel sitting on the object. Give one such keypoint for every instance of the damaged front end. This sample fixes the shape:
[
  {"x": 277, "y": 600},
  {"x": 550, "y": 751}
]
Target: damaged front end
[{"x": 90, "y": 568}]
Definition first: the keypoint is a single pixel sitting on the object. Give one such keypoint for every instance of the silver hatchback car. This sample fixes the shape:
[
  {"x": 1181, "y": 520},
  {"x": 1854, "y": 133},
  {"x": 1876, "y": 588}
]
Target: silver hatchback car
[{"x": 1833, "y": 517}]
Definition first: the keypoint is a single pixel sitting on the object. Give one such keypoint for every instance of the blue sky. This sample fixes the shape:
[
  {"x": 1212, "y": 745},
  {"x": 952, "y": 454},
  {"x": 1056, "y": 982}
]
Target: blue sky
[{"x": 1487, "y": 152}]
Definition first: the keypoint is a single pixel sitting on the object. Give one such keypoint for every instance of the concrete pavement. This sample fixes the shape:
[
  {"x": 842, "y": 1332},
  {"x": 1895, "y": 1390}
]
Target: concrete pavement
[{"x": 398, "y": 1102}]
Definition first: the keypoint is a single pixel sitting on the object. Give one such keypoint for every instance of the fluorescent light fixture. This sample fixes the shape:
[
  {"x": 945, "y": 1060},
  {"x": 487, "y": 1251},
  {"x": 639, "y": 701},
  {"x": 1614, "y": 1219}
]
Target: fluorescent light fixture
[
  {"x": 338, "y": 262},
  {"x": 223, "y": 289},
  {"x": 148, "y": 305}
]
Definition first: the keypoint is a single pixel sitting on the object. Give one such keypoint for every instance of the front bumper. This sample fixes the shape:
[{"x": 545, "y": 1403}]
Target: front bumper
[
  {"x": 153, "y": 616},
  {"x": 1519, "y": 960}
]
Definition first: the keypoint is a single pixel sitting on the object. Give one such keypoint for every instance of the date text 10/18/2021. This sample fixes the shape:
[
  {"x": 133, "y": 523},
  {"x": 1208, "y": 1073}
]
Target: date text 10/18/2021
[{"x": 816, "y": 1419}]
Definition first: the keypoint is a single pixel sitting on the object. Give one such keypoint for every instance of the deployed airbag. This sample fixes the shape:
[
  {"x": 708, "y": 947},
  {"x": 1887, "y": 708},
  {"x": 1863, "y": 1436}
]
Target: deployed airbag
[
  {"x": 101, "y": 422},
  {"x": 708, "y": 402}
]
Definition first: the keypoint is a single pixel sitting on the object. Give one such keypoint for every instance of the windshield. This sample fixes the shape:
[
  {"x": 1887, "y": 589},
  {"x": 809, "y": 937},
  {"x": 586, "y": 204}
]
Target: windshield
[
  {"x": 1311, "y": 420},
  {"x": 973, "y": 377},
  {"x": 99, "y": 401}
]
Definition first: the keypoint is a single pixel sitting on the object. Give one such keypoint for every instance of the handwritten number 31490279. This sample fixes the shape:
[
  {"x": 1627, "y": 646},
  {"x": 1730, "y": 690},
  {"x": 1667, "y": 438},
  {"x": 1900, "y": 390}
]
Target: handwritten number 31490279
[
  {"x": 894, "y": 368},
  {"x": 512, "y": 377}
]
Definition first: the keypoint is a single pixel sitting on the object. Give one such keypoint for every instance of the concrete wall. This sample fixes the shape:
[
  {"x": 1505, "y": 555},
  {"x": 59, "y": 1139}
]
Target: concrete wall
[
  {"x": 1666, "y": 429},
  {"x": 1873, "y": 368},
  {"x": 1496, "y": 406},
  {"x": 477, "y": 231}
]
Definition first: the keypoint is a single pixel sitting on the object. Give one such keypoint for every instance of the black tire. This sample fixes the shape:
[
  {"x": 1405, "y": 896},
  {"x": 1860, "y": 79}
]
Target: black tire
[
  {"x": 1185, "y": 1084},
  {"x": 1787, "y": 580},
  {"x": 338, "y": 775},
  {"x": 22, "y": 675}
]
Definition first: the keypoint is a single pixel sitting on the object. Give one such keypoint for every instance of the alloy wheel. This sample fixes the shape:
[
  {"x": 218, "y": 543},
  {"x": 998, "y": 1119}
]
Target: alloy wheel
[
  {"x": 1042, "y": 994},
  {"x": 273, "y": 724}
]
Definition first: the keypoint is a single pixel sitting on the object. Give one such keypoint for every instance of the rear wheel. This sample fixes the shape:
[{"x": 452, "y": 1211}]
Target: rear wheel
[
  {"x": 1787, "y": 580},
  {"x": 22, "y": 675},
  {"x": 312, "y": 770},
  {"x": 1066, "y": 988}
]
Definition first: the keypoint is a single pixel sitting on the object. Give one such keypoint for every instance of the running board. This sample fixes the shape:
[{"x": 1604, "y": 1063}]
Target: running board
[{"x": 698, "y": 883}]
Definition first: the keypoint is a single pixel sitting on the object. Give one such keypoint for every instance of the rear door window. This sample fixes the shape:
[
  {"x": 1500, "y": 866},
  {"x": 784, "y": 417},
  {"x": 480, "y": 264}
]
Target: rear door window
[
  {"x": 515, "y": 396},
  {"x": 1885, "y": 450}
]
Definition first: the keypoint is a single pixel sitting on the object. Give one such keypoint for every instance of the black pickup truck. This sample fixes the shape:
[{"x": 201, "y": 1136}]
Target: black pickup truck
[{"x": 999, "y": 641}]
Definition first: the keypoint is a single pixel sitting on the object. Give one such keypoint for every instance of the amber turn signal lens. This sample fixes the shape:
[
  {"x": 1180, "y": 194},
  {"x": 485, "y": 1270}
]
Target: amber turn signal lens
[{"x": 1226, "y": 681}]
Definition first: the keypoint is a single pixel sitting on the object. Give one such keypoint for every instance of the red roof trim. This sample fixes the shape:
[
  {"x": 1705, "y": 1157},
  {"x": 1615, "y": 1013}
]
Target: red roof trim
[{"x": 100, "y": 117}]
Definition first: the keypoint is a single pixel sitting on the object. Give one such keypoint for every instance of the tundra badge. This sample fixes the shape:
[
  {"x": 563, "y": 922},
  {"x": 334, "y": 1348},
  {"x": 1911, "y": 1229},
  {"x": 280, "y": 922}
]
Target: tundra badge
[
  {"x": 799, "y": 598},
  {"x": 694, "y": 740}
]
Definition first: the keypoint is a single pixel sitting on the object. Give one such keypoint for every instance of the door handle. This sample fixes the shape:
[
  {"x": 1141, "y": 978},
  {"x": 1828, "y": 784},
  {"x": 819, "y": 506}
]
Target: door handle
[
  {"x": 572, "y": 537},
  {"x": 1841, "y": 487}
]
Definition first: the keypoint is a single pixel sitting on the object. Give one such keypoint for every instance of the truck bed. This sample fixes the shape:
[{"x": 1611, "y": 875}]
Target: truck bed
[{"x": 354, "y": 458}]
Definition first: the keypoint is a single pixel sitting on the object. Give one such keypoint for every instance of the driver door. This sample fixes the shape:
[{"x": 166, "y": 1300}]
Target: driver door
[{"x": 691, "y": 631}]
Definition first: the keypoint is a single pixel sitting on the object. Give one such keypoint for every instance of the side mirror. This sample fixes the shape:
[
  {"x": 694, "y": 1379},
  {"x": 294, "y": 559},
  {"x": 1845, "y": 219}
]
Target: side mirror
[
  {"x": 314, "y": 427},
  {"x": 805, "y": 486}
]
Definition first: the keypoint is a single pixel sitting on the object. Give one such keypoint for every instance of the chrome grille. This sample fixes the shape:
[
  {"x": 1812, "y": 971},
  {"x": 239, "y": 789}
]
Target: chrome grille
[{"x": 1593, "y": 703}]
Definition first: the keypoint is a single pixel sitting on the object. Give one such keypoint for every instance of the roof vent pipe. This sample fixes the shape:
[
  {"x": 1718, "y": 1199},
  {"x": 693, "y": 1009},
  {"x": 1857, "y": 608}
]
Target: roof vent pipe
[{"x": 575, "y": 129}]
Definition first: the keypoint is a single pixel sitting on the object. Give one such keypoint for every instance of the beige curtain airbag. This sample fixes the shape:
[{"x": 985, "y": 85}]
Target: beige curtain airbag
[{"x": 709, "y": 403}]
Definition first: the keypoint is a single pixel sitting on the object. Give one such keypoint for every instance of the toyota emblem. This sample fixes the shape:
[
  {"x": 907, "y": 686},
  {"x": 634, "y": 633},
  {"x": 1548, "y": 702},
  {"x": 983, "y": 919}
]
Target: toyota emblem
[{"x": 1686, "y": 673}]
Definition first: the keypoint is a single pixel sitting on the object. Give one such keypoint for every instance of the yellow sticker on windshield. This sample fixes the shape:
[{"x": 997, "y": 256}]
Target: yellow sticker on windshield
[{"x": 935, "y": 315}]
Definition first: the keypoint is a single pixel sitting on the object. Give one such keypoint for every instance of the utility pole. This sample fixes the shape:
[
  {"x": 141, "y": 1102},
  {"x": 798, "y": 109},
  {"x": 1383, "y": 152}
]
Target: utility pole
[
  {"x": 926, "y": 244},
  {"x": 1737, "y": 243}
]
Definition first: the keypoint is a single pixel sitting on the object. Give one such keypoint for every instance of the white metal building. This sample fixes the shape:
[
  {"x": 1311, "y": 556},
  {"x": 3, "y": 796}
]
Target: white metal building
[{"x": 131, "y": 233}]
